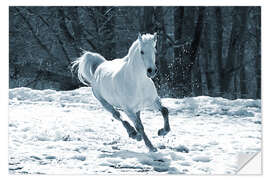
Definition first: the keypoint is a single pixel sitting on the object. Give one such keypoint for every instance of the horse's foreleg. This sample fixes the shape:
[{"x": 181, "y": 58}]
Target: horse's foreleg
[
  {"x": 139, "y": 127},
  {"x": 165, "y": 113},
  {"x": 130, "y": 130}
]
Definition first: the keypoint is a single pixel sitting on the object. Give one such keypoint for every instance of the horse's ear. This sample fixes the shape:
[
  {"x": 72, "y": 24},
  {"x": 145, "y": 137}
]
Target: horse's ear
[{"x": 140, "y": 37}]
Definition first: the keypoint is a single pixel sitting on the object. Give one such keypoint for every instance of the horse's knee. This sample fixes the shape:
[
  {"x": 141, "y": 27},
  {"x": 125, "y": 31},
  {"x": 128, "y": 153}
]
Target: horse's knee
[
  {"x": 139, "y": 127},
  {"x": 164, "y": 111},
  {"x": 116, "y": 114}
]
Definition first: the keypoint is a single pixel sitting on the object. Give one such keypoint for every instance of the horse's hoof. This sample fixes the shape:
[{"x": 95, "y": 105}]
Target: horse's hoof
[
  {"x": 138, "y": 137},
  {"x": 153, "y": 149},
  {"x": 135, "y": 135},
  {"x": 163, "y": 132}
]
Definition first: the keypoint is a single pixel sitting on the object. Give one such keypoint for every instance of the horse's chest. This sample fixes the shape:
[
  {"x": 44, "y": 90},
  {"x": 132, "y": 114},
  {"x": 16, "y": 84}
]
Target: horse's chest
[{"x": 139, "y": 96}]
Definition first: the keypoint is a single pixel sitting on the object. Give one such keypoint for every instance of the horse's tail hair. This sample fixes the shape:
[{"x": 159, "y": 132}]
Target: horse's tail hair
[{"x": 86, "y": 66}]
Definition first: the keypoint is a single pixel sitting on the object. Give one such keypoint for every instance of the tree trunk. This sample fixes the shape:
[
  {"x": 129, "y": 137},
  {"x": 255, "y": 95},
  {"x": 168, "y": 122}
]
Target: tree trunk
[
  {"x": 258, "y": 51},
  {"x": 176, "y": 77},
  {"x": 187, "y": 58},
  {"x": 148, "y": 25},
  {"x": 235, "y": 56},
  {"x": 219, "y": 47},
  {"x": 162, "y": 77}
]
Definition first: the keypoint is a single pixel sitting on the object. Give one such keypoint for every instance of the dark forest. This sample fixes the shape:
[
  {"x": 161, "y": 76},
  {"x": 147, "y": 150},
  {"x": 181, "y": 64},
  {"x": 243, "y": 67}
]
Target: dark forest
[{"x": 212, "y": 51}]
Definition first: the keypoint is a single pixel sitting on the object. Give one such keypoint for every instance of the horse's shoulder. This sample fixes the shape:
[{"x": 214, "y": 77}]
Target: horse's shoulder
[
  {"x": 149, "y": 83},
  {"x": 149, "y": 87}
]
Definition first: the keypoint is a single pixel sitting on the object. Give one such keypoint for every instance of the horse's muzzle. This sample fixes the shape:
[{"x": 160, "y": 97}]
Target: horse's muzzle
[{"x": 151, "y": 72}]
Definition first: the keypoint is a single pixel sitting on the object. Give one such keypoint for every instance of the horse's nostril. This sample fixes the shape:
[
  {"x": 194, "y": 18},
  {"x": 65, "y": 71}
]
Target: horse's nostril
[{"x": 149, "y": 70}]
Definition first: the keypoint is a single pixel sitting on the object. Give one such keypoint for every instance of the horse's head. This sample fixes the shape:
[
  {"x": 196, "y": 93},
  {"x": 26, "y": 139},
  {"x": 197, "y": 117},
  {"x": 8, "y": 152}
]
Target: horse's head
[{"x": 147, "y": 44}]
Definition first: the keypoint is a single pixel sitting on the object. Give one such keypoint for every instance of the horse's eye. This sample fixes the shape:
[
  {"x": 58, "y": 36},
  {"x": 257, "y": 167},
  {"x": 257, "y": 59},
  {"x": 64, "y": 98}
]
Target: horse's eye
[{"x": 142, "y": 52}]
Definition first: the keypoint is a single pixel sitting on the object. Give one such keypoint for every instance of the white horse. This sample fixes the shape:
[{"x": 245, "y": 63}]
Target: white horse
[{"x": 126, "y": 83}]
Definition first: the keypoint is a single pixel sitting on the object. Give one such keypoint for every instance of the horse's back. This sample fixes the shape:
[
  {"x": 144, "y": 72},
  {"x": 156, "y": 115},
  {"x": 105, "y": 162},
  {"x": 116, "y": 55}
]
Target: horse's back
[{"x": 112, "y": 66}]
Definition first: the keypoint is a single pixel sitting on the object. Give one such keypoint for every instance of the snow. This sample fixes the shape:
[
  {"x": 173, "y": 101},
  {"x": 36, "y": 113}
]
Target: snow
[{"x": 68, "y": 132}]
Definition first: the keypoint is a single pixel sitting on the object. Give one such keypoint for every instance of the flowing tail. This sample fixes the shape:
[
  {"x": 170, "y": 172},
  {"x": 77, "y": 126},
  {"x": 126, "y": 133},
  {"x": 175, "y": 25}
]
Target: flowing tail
[{"x": 86, "y": 66}]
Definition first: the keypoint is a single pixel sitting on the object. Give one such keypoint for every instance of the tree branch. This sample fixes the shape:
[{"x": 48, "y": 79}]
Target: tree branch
[
  {"x": 55, "y": 33},
  {"x": 35, "y": 36}
]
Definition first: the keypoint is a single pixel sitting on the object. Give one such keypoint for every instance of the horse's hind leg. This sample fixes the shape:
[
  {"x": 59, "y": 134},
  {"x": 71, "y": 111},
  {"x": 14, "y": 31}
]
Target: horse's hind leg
[
  {"x": 130, "y": 130},
  {"x": 139, "y": 127},
  {"x": 165, "y": 113}
]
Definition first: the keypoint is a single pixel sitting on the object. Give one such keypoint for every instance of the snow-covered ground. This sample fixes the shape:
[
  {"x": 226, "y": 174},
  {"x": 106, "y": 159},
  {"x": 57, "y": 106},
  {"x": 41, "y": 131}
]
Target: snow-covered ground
[{"x": 68, "y": 132}]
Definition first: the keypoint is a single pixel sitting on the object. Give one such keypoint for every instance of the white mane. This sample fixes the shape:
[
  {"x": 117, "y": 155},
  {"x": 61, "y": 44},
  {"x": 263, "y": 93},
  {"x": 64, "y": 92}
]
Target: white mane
[{"x": 146, "y": 38}]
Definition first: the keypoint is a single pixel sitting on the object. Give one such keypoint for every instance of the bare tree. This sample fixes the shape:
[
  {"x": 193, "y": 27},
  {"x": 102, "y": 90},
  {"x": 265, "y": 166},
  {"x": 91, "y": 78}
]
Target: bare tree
[{"x": 211, "y": 51}]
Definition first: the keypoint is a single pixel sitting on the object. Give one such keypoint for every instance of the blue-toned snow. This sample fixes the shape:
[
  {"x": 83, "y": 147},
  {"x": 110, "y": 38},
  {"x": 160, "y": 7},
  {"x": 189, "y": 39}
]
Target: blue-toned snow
[{"x": 68, "y": 132}]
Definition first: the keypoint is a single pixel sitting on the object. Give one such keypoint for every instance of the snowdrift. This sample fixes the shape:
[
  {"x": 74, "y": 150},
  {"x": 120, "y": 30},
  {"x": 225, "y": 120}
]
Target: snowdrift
[{"x": 68, "y": 132}]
